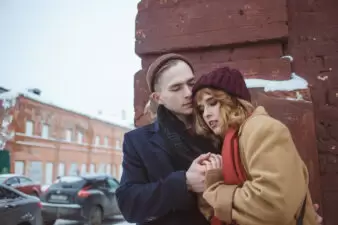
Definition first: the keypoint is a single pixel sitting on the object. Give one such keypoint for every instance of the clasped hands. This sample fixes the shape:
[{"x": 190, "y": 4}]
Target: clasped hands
[{"x": 197, "y": 171}]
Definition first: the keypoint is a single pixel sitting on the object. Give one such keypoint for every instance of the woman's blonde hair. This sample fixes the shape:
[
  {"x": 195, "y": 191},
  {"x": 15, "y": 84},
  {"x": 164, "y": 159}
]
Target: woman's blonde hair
[{"x": 234, "y": 111}]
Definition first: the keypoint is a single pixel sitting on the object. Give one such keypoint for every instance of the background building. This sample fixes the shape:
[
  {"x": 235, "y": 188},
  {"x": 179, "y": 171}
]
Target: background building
[{"x": 50, "y": 140}]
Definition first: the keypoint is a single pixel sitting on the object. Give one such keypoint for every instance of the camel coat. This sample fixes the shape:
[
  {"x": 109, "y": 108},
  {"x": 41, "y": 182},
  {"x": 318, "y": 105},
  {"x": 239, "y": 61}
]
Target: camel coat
[{"x": 277, "y": 179}]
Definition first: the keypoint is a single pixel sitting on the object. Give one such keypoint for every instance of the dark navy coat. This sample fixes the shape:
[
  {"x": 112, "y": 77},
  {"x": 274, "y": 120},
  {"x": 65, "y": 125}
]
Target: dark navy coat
[{"x": 151, "y": 191}]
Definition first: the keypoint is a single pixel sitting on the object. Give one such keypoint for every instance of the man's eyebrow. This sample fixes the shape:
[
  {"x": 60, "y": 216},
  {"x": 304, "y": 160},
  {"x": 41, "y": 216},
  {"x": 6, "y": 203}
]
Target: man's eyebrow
[
  {"x": 190, "y": 80},
  {"x": 175, "y": 84}
]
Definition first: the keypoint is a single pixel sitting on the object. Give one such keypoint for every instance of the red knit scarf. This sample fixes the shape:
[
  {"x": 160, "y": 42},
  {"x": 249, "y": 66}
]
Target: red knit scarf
[{"x": 233, "y": 170}]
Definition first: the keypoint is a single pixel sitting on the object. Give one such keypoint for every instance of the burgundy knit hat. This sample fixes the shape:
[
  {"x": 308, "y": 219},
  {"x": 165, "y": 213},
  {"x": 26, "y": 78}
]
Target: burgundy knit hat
[
  {"x": 158, "y": 63},
  {"x": 228, "y": 80}
]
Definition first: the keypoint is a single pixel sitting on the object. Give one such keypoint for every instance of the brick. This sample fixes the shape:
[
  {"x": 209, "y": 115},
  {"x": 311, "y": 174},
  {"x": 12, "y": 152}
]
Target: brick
[
  {"x": 330, "y": 200},
  {"x": 329, "y": 165},
  {"x": 142, "y": 96},
  {"x": 271, "y": 69},
  {"x": 219, "y": 55},
  {"x": 333, "y": 97},
  {"x": 311, "y": 47},
  {"x": 200, "y": 5},
  {"x": 206, "y": 24},
  {"x": 313, "y": 6}
]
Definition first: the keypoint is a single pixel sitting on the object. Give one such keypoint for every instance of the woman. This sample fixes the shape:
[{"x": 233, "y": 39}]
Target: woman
[{"x": 264, "y": 181}]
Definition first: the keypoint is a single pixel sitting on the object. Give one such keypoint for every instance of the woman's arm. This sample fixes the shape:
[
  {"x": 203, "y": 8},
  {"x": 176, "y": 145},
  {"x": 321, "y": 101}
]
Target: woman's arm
[{"x": 277, "y": 182}]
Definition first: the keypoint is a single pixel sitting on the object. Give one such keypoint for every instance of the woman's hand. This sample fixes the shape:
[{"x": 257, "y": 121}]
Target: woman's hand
[
  {"x": 319, "y": 219},
  {"x": 214, "y": 162}
]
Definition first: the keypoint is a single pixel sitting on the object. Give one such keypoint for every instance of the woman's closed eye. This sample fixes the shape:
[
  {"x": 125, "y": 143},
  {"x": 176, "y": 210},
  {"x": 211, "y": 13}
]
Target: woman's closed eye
[{"x": 212, "y": 102}]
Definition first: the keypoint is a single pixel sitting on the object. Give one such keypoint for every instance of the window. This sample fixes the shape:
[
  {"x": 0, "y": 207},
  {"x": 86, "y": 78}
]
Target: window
[
  {"x": 35, "y": 171},
  {"x": 83, "y": 169},
  {"x": 113, "y": 184},
  {"x": 108, "y": 169},
  {"x": 45, "y": 131},
  {"x": 68, "y": 135},
  {"x": 101, "y": 169},
  {"x": 79, "y": 137},
  {"x": 19, "y": 167},
  {"x": 106, "y": 144},
  {"x": 120, "y": 171},
  {"x": 61, "y": 171},
  {"x": 114, "y": 171},
  {"x": 73, "y": 170},
  {"x": 49, "y": 173},
  {"x": 12, "y": 182},
  {"x": 6, "y": 194},
  {"x": 118, "y": 144},
  {"x": 24, "y": 180},
  {"x": 29, "y": 128},
  {"x": 97, "y": 141},
  {"x": 92, "y": 168}
]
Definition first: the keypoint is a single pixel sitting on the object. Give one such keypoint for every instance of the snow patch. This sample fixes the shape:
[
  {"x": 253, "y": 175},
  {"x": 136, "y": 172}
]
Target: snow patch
[{"x": 295, "y": 83}]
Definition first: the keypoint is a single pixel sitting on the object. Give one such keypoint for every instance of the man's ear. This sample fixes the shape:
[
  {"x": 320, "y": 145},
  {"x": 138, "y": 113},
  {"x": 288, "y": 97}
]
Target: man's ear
[{"x": 155, "y": 96}]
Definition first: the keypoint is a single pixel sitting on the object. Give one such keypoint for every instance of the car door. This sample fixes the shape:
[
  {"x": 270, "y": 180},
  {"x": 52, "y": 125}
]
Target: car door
[
  {"x": 9, "y": 212},
  {"x": 113, "y": 185}
]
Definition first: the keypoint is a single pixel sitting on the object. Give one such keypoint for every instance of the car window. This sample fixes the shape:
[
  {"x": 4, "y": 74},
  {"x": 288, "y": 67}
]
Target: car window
[
  {"x": 6, "y": 194},
  {"x": 12, "y": 181},
  {"x": 3, "y": 179},
  {"x": 24, "y": 180},
  {"x": 69, "y": 182},
  {"x": 100, "y": 184},
  {"x": 113, "y": 185}
]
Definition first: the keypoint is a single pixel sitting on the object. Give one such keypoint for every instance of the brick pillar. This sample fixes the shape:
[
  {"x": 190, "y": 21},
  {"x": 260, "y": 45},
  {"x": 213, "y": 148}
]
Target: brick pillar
[
  {"x": 313, "y": 42},
  {"x": 250, "y": 35}
]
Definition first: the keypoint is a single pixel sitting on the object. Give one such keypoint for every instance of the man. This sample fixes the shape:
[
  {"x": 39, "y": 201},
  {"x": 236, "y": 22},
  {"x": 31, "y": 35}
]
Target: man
[{"x": 161, "y": 164}]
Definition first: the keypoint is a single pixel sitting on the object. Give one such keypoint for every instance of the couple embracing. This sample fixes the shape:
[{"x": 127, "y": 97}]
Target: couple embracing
[{"x": 210, "y": 156}]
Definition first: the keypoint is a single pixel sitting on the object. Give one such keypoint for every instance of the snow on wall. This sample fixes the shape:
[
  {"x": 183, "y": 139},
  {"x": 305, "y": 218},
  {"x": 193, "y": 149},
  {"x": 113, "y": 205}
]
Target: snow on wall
[
  {"x": 104, "y": 118},
  {"x": 295, "y": 83}
]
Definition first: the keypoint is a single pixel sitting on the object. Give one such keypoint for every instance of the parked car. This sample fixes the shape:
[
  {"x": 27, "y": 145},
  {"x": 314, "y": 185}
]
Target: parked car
[
  {"x": 21, "y": 183},
  {"x": 89, "y": 198},
  {"x": 17, "y": 208}
]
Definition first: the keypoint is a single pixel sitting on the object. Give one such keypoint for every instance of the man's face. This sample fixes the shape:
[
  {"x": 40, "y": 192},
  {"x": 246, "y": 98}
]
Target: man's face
[{"x": 175, "y": 85}]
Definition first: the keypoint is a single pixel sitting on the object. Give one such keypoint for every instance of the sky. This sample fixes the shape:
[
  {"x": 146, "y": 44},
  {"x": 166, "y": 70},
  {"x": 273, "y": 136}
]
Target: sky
[{"x": 79, "y": 53}]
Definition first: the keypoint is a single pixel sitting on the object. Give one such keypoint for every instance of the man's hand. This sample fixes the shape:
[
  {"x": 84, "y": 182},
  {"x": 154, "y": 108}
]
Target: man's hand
[
  {"x": 319, "y": 219},
  {"x": 196, "y": 174}
]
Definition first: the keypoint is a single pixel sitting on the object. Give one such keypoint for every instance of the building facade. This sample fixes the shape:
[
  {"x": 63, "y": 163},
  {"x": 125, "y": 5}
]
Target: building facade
[{"x": 50, "y": 141}]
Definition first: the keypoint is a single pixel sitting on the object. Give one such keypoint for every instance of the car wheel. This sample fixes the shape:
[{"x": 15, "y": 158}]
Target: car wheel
[
  {"x": 49, "y": 222},
  {"x": 95, "y": 216}
]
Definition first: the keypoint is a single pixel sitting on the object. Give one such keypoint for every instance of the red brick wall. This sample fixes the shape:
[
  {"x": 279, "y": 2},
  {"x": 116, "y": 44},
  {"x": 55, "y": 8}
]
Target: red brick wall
[
  {"x": 313, "y": 42},
  {"x": 252, "y": 35}
]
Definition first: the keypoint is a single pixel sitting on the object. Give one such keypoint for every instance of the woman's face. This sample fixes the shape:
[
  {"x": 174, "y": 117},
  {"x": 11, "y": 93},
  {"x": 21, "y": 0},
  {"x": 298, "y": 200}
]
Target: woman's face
[{"x": 210, "y": 110}]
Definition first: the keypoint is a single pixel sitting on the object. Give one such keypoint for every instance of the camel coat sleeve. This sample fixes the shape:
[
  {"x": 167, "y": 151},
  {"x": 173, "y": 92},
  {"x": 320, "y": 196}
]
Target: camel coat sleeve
[{"x": 277, "y": 178}]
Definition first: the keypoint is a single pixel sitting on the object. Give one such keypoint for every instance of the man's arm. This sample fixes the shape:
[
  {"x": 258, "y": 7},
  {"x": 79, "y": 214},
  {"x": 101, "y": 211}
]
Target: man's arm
[{"x": 140, "y": 200}]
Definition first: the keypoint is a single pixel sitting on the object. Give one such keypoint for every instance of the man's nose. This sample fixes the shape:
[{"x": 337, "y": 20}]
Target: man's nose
[{"x": 187, "y": 91}]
